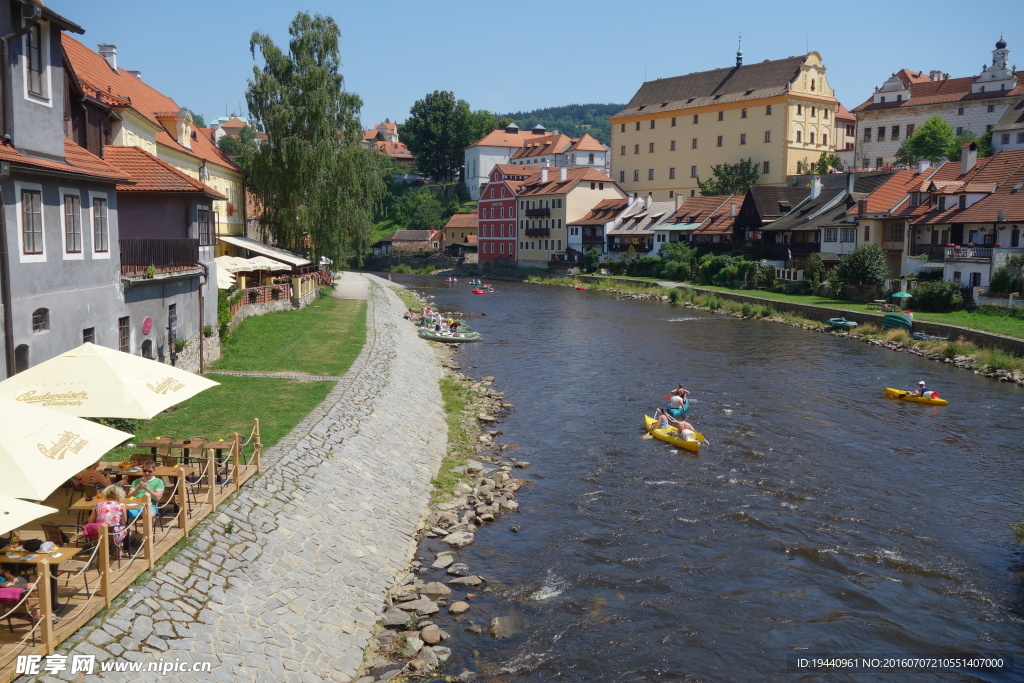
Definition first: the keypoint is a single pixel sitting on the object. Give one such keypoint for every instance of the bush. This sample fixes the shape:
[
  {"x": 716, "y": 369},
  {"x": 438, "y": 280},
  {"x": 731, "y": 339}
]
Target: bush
[
  {"x": 748, "y": 310},
  {"x": 960, "y": 347},
  {"x": 1004, "y": 282},
  {"x": 765, "y": 311},
  {"x": 942, "y": 296},
  {"x": 675, "y": 295},
  {"x": 710, "y": 270}
]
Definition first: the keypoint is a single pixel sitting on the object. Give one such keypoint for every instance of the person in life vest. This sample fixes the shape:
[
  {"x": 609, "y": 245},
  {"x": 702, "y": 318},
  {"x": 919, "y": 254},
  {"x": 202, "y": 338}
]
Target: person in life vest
[{"x": 923, "y": 392}]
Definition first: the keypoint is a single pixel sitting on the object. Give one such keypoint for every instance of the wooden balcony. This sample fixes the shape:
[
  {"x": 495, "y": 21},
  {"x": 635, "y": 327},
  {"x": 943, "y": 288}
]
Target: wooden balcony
[
  {"x": 537, "y": 232},
  {"x": 639, "y": 247},
  {"x": 164, "y": 255},
  {"x": 537, "y": 212},
  {"x": 892, "y": 245}
]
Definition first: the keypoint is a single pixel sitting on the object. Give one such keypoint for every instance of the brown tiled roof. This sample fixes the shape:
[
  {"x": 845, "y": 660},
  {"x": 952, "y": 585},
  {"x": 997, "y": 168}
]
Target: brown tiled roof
[
  {"x": 519, "y": 170},
  {"x": 77, "y": 161},
  {"x": 500, "y": 138},
  {"x": 844, "y": 114},
  {"x": 949, "y": 172},
  {"x": 774, "y": 202},
  {"x": 604, "y": 211},
  {"x": 940, "y": 92},
  {"x": 573, "y": 176},
  {"x": 395, "y": 150},
  {"x": 463, "y": 220},
  {"x": 769, "y": 78},
  {"x": 722, "y": 220},
  {"x": 894, "y": 191},
  {"x": 1005, "y": 198},
  {"x": 1012, "y": 118},
  {"x": 699, "y": 209},
  {"x": 410, "y": 236},
  {"x": 586, "y": 143},
  {"x": 152, "y": 174},
  {"x": 542, "y": 145}
]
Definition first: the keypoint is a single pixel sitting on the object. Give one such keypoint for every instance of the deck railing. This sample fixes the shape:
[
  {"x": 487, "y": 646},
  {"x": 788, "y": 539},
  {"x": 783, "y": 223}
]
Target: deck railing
[{"x": 164, "y": 255}]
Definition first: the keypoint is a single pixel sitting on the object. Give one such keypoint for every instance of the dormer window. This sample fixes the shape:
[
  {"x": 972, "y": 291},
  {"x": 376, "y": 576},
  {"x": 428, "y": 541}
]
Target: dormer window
[
  {"x": 963, "y": 201},
  {"x": 35, "y": 63}
]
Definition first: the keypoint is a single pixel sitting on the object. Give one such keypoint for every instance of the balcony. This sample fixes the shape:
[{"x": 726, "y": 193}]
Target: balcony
[
  {"x": 537, "y": 232},
  {"x": 969, "y": 253},
  {"x": 892, "y": 245},
  {"x": 593, "y": 241},
  {"x": 639, "y": 247},
  {"x": 936, "y": 252},
  {"x": 165, "y": 256},
  {"x": 537, "y": 212},
  {"x": 565, "y": 263}
]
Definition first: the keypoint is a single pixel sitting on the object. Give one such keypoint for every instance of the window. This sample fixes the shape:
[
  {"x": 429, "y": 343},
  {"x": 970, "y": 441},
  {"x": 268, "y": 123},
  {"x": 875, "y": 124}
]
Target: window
[
  {"x": 693, "y": 145},
  {"x": 814, "y": 112},
  {"x": 743, "y": 113},
  {"x": 960, "y": 111},
  {"x": 799, "y": 109},
  {"x": 1020, "y": 138},
  {"x": 851, "y": 130},
  {"x": 622, "y": 151},
  {"x": 812, "y": 137},
  {"x": 652, "y": 124},
  {"x": 72, "y": 224},
  {"x": 638, "y": 125},
  {"x": 650, "y": 148},
  {"x": 867, "y": 234},
  {"x": 878, "y": 162},
  {"x": 636, "y": 175},
  {"x": 673, "y": 121},
  {"x": 203, "y": 224},
  {"x": 672, "y": 146},
  {"x": 1004, "y": 138},
  {"x": 31, "y": 222},
  {"x": 867, "y": 162},
  {"x": 825, "y": 111},
  {"x": 693, "y": 171},
  {"x": 942, "y": 203},
  {"x": 768, "y": 110},
  {"x": 622, "y": 176},
  {"x": 636, "y": 149},
  {"x": 991, "y": 108},
  {"x": 590, "y": 160},
  {"x": 767, "y": 136},
  {"x": 35, "y": 65},
  {"x": 824, "y": 139},
  {"x": 881, "y": 133},
  {"x": 962, "y": 202},
  {"x": 831, "y": 235},
  {"x": 895, "y": 133},
  {"x": 672, "y": 173},
  {"x": 812, "y": 85},
  {"x": 721, "y": 116},
  {"x": 848, "y": 234},
  {"x": 959, "y": 130},
  {"x": 798, "y": 138},
  {"x": 867, "y": 135},
  {"x": 650, "y": 174},
  {"x": 40, "y": 320},
  {"x": 1015, "y": 237},
  {"x": 89, "y": 335},
  {"x": 695, "y": 118},
  {"x": 910, "y": 129},
  {"x": 743, "y": 138},
  {"x": 719, "y": 144},
  {"x": 623, "y": 128},
  {"x": 765, "y": 168}
]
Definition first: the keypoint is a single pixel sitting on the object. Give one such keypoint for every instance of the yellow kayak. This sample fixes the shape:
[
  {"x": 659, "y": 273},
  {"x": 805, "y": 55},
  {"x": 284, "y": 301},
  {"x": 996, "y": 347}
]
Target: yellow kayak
[
  {"x": 671, "y": 435},
  {"x": 905, "y": 396}
]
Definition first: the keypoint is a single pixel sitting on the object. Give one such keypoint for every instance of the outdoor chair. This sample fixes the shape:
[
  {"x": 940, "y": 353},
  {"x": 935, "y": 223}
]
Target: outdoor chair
[{"x": 55, "y": 534}]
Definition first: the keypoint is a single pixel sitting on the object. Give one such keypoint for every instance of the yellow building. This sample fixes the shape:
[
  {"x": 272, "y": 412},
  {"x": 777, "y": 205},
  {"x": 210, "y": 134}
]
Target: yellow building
[
  {"x": 547, "y": 202},
  {"x": 780, "y": 114}
]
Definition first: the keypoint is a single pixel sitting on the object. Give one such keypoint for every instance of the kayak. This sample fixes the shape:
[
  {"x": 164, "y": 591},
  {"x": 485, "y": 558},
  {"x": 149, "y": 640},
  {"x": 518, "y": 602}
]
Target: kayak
[
  {"x": 671, "y": 435},
  {"x": 923, "y": 337},
  {"x": 581, "y": 287},
  {"x": 478, "y": 291},
  {"x": 431, "y": 335},
  {"x": 842, "y": 323},
  {"x": 905, "y": 396},
  {"x": 452, "y": 281}
]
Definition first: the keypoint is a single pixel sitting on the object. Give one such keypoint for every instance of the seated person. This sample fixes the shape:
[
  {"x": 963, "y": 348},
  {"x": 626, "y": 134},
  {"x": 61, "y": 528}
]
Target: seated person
[
  {"x": 112, "y": 512},
  {"x": 677, "y": 404},
  {"x": 92, "y": 475},
  {"x": 684, "y": 429},
  {"x": 147, "y": 483},
  {"x": 9, "y": 579},
  {"x": 919, "y": 391}
]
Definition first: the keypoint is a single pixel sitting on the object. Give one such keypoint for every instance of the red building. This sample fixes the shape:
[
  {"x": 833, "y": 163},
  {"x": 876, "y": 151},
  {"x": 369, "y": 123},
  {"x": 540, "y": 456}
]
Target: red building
[{"x": 496, "y": 235}]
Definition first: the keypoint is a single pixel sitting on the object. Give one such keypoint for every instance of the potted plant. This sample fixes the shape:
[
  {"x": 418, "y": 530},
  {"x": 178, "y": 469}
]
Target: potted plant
[
  {"x": 207, "y": 331},
  {"x": 179, "y": 345},
  {"x": 252, "y": 295},
  {"x": 275, "y": 291},
  {"x": 997, "y": 244}
]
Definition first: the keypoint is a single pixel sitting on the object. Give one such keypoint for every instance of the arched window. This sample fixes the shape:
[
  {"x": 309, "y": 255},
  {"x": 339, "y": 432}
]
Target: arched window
[
  {"x": 812, "y": 85},
  {"x": 40, "y": 320},
  {"x": 21, "y": 358}
]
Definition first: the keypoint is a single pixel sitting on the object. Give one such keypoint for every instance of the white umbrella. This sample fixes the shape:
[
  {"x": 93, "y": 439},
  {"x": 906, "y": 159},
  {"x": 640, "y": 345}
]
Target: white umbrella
[
  {"x": 264, "y": 263},
  {"x": 41, "y": 449},
  {"x": 94, "y": 381},
  {"x": 225, "y": 280},
  {"x": 15, "y": 513},
  {"x": 235, "y": 264}
]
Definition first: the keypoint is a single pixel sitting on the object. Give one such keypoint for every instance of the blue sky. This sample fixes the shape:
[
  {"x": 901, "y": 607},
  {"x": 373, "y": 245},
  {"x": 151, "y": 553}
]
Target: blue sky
[{"x": 508, "y": 56}]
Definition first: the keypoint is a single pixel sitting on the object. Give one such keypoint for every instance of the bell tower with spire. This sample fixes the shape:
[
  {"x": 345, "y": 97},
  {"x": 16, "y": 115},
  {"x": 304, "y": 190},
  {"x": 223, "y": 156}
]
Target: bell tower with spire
[
  {"x": 739, "y": 51},
  {"x": 998, "y": 76}
]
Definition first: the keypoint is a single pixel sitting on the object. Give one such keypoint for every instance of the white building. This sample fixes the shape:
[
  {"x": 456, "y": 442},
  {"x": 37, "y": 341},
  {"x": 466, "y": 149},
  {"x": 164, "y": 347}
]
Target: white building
[{"x": 1009, "y": 132}]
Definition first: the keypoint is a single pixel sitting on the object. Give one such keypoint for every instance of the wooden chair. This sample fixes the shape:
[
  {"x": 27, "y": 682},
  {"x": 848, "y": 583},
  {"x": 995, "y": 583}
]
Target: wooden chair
[
  {"x": 55, "y": 534},
  {"x": 6, "y": 605}
]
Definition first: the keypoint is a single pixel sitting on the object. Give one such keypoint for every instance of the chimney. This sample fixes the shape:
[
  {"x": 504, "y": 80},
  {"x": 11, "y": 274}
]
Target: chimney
[
  {"x": 935, "y": 75},
  {"x": 544, "y": 175},
  {"x": 647, "y": 201},
  {"x": 923, "y": 165},
  {"x": 969, "y": 157},
  {"x": 109, "y": 53},
  {"x": 732, "y": 210},
  {"x": 815, "y": 187},
  {"x": 862, "y": 208},
  {"x": 562, "y": 174},
  {"x": 137, "y": 74},
  {"x": 850, "y": 182}
]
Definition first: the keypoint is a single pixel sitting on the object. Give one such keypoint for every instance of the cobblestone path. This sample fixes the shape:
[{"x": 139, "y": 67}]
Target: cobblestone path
[{"x": 287, "y": 580}]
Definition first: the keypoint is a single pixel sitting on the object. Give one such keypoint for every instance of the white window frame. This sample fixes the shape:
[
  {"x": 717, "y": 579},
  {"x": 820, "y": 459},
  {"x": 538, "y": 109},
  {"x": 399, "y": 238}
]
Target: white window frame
[
  {"x": 66, "y": 192},
  {"x": 93, "y": 196},
  {"x": 20, "y": 187}
]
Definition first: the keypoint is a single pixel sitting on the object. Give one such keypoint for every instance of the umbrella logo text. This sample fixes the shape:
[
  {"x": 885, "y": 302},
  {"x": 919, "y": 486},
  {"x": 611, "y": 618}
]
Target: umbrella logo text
[
  {"x": 165, "y": 385},
  {"x": 68, "y": 398},
  {"x": 65, "y": 443}
]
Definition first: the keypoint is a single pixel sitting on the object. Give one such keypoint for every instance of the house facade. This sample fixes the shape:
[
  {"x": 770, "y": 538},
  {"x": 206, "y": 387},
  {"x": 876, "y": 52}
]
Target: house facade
[
  {"x": 498, "y": 213},
  {"x": 1008, "y": 133},
  {"x": 846, "y": 137},
  {"x": 674, "y": 131},
  {"x": 908, "y": 99}
]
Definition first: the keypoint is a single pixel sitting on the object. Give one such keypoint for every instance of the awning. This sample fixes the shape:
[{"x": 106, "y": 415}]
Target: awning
[
  {"x": 235, "y": 264},
  {"x": 264, "y": 263},
  {"x": 225, "y": 280},
  {"x": 677, "y": 227},
  {"x": 265, "y": 249}
]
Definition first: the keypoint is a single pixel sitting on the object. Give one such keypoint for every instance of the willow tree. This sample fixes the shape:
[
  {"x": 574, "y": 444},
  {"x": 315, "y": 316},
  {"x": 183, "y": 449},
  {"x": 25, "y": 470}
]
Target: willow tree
[{"x": 317, "y": 185}]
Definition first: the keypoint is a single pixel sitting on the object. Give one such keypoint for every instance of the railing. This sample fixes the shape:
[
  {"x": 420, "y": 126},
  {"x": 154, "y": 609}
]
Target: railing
[
  {"x": 962, "y": 253},
  {"x": 538, "y": 212},
  {"x": 892, "y": 245},
  {"x": 639, "y": 247},
  {"x": 597, "y": 241},
  {"x": 537, "y": 232},
  {"x": 139, "y": 253},
  {"x": 262, "y": 295},
  {"x": 936, "y": 251}
]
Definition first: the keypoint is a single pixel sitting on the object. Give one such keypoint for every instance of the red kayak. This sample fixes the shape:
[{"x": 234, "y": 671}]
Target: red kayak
[
  {"x": 478, "y": 291},
  {"x": 580, "y": 287}
]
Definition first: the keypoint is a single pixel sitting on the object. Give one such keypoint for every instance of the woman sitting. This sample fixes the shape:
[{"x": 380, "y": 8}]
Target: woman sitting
[
  {"x": 92, "y": 475},
  {"x": 112, "y": 512}
]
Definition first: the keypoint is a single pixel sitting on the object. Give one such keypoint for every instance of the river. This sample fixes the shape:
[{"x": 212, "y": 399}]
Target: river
[{"x": 822, "y": 520}]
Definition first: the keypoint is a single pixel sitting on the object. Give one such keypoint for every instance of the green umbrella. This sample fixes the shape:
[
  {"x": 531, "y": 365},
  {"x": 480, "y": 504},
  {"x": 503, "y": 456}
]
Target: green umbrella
[{"x": 902, "y": 295}]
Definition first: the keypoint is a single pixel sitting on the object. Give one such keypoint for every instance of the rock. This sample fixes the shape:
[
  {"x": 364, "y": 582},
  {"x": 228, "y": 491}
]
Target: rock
[
  {"x": 509, "y": 505},
  {"x": 411, "y": 646},
  {"x": 431, "y": 635},
  {"x": 416, "y": 666},
  {"x": 485, "y": 418},
  {"x": 466, "y": 581},
  {"x": 501, "y": 627},
  {"x": 474, "y": 466},
  {"x": 458, "y": 607},
  {"x": 395, "y": 618},
  {"x": 515, "y": 529},
  {"x": 458, "y": 569},
  {"x": 473, "y": 628},
  {"x": 442, "y": 561},
  {"x": 459, "y": 539},
  {"x": 436, "y": 588},
  {"x": 443, "y": 654},
  {"x": 429, "y": 659},
  {"x": 420, "y": 606},
  {"x": 461, "y": 489}
]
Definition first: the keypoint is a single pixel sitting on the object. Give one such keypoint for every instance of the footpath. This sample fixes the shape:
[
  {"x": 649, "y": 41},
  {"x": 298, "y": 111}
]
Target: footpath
[{"x": 288, "y": 579}]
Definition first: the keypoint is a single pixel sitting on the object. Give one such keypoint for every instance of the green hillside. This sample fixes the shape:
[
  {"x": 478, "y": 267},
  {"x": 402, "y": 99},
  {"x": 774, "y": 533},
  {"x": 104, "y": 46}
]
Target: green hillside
[{"x": 572, "y": 119}]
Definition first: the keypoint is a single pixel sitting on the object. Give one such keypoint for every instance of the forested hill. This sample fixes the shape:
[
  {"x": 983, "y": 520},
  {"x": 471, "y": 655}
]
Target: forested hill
[{"x": 572, "y": 119}]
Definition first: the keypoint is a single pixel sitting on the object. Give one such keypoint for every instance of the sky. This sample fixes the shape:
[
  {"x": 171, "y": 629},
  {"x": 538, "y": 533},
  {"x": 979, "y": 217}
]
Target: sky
[{"x": 507, "y": 57}]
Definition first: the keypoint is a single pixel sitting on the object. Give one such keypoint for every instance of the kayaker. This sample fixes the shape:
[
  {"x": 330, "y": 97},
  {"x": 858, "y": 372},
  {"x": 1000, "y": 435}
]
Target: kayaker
[
  {"x": 662, "y": 417},
  {"x": 677, "y": 405},
  {"x": 919, "y": 391},
  {"x": 685, "y": 429}
]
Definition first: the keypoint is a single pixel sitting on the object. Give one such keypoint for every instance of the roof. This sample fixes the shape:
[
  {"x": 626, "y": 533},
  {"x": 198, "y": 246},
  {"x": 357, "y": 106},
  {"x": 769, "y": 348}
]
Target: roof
[
  {"x": 1005, "y": 198},
  {"x": 893, "y": 192},
  {"x": 844, "y": 114},
  {"x": 827, "y": 208},
  {"x": 924, "y": 92},
  {"x": 77, "y": 161},
  {"x": 395, "y": 150},
  {"x": 587, "y": 143},
  {"x": 722, "y": 220},
  {"x": 410, "y": 236},
  {"x": 604, "y": 211},
  {"x": 1012, "y": 118},
  {"x": 542, "y": 145},
  {"x": 769, "y": 78},
  {"x": 265, "y": 249},
  {"x": 774, "y": 202},
  {"x": 467, "y": 221},
  {"x": 58, "y": 20},
  {"x": 950, "y": 172},
  {"x": 643, "y": 220},
  {"x": 151, "y": 174},
  {"x": 698, "y": 209},
  {"x": 501, "y": 138},
  {"x": 554, "y": 185}
]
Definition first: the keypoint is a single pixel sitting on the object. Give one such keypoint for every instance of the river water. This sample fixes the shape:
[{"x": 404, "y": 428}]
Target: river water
[{"x": 822, "y": 520}]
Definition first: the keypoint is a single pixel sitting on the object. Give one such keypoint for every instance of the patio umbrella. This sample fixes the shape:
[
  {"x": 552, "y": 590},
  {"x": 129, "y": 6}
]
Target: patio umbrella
[
  {"x": 16, "y": 513},
  {"x": 94, "y": 381},
  {"x": 902, "y": 295},
  {"x": 225, "y": 280},
  {"x": 264, "y": 263},
  {"x": 41, "y": 449}
]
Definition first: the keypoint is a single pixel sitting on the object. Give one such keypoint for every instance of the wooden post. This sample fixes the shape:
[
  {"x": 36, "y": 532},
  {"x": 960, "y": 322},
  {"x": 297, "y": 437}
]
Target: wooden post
[
  {"x": 236, "y": 449},
  {"x": 211, "y": 478},
  {"x": 147, "y": 530},
  {"x": 257, "y": 445},
  {"x": 182, "y": 503},
  {"x": 45, "y": 606},
  {"x": 104, "y": 560}
]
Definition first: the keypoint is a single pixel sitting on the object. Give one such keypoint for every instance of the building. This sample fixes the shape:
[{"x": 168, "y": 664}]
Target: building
[
  {"x": 460, "y": 235},
  {"x": 498, "y": 212},
  {"x": 674, "y": 131},
  {"x": 1008, "y": 133},
  {"x": 762, "y": 206},
  {"x": 846, "y": 137},
  {"x": 636, "y": 233},
  {"x": 591, "y": 231},
  {"x": 908, "y": 99},
  {"x": 384, "y": 137},
  {"x": 708, "y": 219}
]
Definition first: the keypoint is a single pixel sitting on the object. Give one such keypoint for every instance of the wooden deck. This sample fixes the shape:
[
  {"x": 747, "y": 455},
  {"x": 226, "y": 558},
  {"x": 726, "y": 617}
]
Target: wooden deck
[{"x": 82, "y": 594}]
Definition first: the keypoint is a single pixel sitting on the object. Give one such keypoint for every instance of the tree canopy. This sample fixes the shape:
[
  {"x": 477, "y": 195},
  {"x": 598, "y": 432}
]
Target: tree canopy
[
  {"x": 933, "y": 140},
  {"x": 572, "y": 119},
  {"x": 317, "y": 184},
  {"x": 862, "y": 267},
  {"x": 437, "y": 132},
  {"x": 730, "y": 178}
]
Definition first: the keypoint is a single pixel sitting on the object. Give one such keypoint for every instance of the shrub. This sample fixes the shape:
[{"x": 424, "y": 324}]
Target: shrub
[
  {"x": 942, "y": 296},
  {"x": 779, "y": 287},
  {"x": 898, "y": 335},
  {"x": 748, "y": 310},
  {"x": 713, "y": 302},
  {"x": 996, "y": 359},
  {"x": 765, "y": 311},
  {"x": 711, "y": 268},
  {"x": 1004, "y": 281},
  {"x": 960, "y": 347},
  {"x": 675, "y": 295}
]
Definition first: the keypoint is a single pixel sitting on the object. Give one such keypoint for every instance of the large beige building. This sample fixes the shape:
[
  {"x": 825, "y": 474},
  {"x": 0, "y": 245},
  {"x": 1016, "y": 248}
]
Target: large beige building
[{"x": 675, "y": 130}]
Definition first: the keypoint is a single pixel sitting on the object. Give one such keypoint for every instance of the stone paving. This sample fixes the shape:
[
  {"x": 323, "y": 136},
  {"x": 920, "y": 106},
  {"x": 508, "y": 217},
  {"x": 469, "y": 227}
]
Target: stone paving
[{"x": 287, "y": 579}]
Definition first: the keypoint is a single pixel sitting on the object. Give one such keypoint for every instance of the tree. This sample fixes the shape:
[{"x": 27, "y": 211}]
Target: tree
[
  {"x": 316, "y": 182},
  {"x": 233, "y": 146},
  {"x": 592, "y": 260},
  {"x": 437, "y": 133},
  {"x": 420, "y": 210},
  {"x": 814, "y": 272},
  {"x": 828, "y": 161},
  {"x": 731, "y": 178},
  {"x": 931, "y": 140},
  {"x": 862, "y": 267}
]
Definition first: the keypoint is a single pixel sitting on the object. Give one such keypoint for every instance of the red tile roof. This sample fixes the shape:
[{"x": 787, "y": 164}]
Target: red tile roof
[
  {"x": 940, "y": 92},
  {"x": 500, "y": 138},
  {"x": 395, "y": 150},
  {"x": 77, "y": 161},
  {"x": 949, "y": 172},
  {"x": 844, "y": 114},
  {"x": 604, "y": 211},
  {"x": 542, "y": 145},
  {"x": 466, "y": 221},
  {"x": 573, "y": 176},
  {"x": 699, "y": 209},
  {"x": 893, "y": 192},
  {"x": 1005, "y": 198},
  {"x": 587, "y": 143},
  {"x": 152, "y": 174}
]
